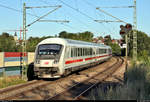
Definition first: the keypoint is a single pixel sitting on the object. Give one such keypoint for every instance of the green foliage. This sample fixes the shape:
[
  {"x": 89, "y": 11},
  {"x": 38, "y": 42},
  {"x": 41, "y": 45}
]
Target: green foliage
[
  {"x": 137, "y": 86},
  {"x": 143, "y": 43},
  {"x": 85, "y": 36},
  {"x": 107, "y": 40},
  {"x": 115, "y": 49},
  {"x": 5, "y": 82},
  {"x": 33, "y": 41},
  {"x": 7, "y": 43}
]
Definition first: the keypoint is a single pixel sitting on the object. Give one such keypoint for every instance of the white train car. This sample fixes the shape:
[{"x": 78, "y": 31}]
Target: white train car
[{"x": 56, "y": 57}]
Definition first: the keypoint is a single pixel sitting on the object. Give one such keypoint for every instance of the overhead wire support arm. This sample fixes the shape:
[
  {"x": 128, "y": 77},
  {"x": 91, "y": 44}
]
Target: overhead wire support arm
[
  {"x": 61, "y": 21},
  {"x": 110, "y": 15},
  {"x": 107, "y": 21},
  {"x": 42, "y": 7},
  {"x": 43, "y": 16},
  {"x": 118, "y": 7}
]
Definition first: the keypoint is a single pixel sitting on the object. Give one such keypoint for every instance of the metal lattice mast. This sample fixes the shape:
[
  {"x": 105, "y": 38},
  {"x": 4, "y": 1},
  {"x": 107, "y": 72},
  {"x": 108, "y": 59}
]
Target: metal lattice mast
[
  {"x": 134, "y": 34},
  {"x": 24, "y": 52},
  {"x": 23, "y": 64}
]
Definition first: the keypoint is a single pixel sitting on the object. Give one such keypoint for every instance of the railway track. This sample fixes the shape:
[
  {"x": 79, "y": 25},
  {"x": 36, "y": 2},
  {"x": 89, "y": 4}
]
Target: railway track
[
  {"x": 52, "y": 90},
  {"x": 77, "y": 91},
  {"x": 14, "y": 90}
]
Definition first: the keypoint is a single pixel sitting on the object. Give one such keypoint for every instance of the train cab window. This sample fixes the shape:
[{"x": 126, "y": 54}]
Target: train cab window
[{"x": 49, "y": 51}]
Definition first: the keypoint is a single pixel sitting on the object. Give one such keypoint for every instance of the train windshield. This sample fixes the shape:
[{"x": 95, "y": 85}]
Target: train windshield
[{"x": 49, "y": 50}]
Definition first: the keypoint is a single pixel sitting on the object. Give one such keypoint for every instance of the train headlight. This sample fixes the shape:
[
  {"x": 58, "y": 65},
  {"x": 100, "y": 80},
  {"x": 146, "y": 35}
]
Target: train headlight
[
  {"x": 55, "y": 61},
  {"x": 38, "y": 61}
]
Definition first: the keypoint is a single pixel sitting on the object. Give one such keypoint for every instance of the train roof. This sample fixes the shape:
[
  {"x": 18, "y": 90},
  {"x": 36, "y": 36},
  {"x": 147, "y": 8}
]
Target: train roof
[{"x": 71, "y": 42}]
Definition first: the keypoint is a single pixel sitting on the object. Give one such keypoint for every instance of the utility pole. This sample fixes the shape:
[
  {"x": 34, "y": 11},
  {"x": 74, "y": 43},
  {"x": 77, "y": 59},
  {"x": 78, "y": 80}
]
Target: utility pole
[
  {"x": 126, "y": 38},
  {"x": 134, "y": 34}
]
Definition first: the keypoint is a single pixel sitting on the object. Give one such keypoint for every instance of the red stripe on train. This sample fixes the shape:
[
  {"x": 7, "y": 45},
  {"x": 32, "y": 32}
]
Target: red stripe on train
[
  {"x": 80, "y": 60},
  {"x": 14, "y": 54},
  {"x": 95, "y": 57},
  {"x": 73, "y": 61}
]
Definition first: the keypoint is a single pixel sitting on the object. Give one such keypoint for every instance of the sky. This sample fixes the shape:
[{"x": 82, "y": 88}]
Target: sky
[{"x": 80, "y": 14}]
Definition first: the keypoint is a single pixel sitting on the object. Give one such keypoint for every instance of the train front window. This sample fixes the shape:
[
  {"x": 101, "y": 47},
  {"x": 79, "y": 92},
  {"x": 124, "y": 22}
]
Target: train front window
[{"x": 49, "y": 50}]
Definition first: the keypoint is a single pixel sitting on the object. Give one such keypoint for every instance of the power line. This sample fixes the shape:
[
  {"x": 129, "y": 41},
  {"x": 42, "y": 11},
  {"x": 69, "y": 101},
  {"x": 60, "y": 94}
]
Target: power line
[
  {"x": 77, "y": 10},
  {"x": 100, "y": 15},
  {"x": 16, "y": 10},
  {"x": 71, "y": 27},
  {"x": 73, "y": 16},
  {"x": 39, "y": 18},
  {"x": 61, "y": 23},
  {"x": 111, "y": 15}
]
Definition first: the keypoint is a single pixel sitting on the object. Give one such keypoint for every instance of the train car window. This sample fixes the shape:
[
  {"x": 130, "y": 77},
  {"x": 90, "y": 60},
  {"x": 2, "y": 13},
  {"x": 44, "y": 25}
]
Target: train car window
[
  {"x": 87, "y": 51},
  {"x": 75, "y": 52},
  {"x": 104, "y": 50},
  {"x": 81, "y": 51},
  {"x": 91, "y": 51},
  {"x": 71, "y": 52},
  {"x": 84, "y": 51},
  {"x": 97, "y": 51},
  {"x": 78, "y": 51}
]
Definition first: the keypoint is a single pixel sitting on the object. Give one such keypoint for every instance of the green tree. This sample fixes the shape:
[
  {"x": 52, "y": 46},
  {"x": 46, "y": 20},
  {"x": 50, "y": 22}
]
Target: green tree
[
  {"x": 143, "y": 43},
  {"x": 107, "y": 40},
  {"x": 84, "y": 36},
  {"x": 33, "y": 41},
  {"x": 115, "y": 49},
  {"x": 7, "y": 43}
]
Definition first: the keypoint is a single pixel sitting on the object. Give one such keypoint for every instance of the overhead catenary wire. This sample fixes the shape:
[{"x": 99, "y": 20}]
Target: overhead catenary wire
[
  {"x": 47, "y": 3},
  {"x": 16, "y": 10},
  {"x": 73, "y": 16},
  {"x": 99, "y": 15},
  {"x": 77, "y": 10}
]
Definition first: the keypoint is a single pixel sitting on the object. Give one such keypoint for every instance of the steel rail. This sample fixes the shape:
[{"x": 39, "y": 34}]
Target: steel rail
[
  {"x": 84, "y": 92},
  {"x": 13, "y": 90},
  {"x": 59, "y": 95}
]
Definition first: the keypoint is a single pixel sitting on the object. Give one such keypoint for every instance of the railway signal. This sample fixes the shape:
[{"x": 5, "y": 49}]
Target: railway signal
[
  {"x": 125, "y": 29},
  {"x": 128, "y": 28},
  {"x": 122, "y": 30}
]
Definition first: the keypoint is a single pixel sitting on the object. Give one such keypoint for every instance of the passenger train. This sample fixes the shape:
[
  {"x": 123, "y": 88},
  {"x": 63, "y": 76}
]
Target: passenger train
[{"x": 57, "y": 57}]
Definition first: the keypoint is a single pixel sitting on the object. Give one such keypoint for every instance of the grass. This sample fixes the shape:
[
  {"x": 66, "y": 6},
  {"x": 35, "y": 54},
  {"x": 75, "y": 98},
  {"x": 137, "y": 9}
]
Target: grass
[
  {"x": 136, "y": 87},
  {"x": 9, "y": 81}
]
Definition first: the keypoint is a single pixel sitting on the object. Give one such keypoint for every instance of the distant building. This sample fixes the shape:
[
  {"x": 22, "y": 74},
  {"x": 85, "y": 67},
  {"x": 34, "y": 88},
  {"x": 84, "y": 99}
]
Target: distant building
[
  {"x": 16, "y": 39},
  {"x": 96, "y": 40},
  {"x": 115, "y": 41}
]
